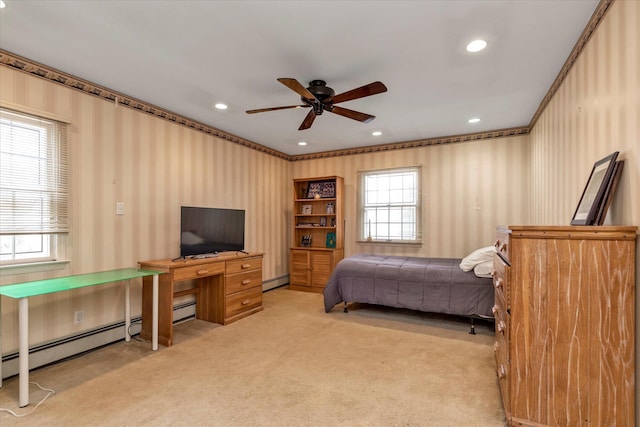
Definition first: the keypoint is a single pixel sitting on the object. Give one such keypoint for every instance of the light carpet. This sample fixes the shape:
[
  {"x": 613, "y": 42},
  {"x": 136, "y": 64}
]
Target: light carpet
[{"x": 289, "y": 365}]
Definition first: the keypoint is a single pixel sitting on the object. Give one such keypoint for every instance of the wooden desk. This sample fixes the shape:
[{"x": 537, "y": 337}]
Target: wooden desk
[
  {"x": 22, "y": 292},
  {"x": 227, "y": 287}
]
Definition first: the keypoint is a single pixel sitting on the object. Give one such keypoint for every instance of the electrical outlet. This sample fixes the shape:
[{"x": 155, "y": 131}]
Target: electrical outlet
[
  {"x": 78, "y": 317},
  {"x": 119, "y": 208}
]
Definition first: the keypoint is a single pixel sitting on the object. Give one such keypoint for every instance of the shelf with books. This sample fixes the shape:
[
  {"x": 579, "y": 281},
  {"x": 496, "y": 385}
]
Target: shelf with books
[{"x": 318, "y": 231}]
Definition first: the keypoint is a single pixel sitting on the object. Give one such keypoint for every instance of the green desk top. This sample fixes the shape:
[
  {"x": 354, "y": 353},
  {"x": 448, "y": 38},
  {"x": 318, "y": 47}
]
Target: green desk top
[{"x": 59, "y": 284}]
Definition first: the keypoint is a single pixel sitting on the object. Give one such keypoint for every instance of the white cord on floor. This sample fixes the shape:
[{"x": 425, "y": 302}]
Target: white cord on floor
[{"x": 51, "y": 392}]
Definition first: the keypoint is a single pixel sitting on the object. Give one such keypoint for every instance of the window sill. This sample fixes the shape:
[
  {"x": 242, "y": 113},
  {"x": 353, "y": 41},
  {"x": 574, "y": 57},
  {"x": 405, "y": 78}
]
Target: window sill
[
  {"x": 33, "y": 267},
  {"x": 388, "y": 242}
]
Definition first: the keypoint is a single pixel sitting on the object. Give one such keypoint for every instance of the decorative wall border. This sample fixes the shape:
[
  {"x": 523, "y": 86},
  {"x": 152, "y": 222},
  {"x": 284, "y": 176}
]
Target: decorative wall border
[
  {"x": 25, "y": 65},
  {"x": 588, "y": 31},
  {"x": 33, "y": 68},
  {"x": 415, "y": 144}
]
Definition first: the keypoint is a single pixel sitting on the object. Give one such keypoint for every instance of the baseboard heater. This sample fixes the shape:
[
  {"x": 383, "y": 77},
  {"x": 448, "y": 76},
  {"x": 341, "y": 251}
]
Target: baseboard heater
[{"x": 73, "y": 345}]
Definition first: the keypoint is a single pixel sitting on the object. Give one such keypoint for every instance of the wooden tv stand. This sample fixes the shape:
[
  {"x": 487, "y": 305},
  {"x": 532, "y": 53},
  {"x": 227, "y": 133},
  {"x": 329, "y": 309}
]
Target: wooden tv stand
[{"x": 227, "y": 287}]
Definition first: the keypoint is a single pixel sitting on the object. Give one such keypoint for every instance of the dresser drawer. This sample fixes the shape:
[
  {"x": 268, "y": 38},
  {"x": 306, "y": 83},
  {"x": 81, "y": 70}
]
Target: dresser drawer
[
  {"x": 502, "y": 243},
  {"x": 197, "y": 271},
  {"x": 244, "y": 264},
  {"x": 243, "y": 301},
  {"x": 243, "y": 281},
  {"x": 499, "y": 282}
]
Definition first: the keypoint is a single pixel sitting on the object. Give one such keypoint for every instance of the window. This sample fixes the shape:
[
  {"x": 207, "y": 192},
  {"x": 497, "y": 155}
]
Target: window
[
  {"x": 34, "y": 195},
  {"x": 390, "y": 205}
]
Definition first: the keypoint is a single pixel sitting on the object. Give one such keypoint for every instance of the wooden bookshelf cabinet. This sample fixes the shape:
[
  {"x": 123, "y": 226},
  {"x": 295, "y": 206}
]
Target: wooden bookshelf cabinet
[
  {"x": 318, "y": 231},
  {"x": 565, "y": 325}
]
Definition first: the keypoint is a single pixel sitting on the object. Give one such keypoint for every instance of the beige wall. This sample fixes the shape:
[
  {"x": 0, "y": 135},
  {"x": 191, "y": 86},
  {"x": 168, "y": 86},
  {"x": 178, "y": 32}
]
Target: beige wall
[
  {"x": 154, "y": 167},
  {"x": 468, "y": 189},
  {"x": 595, "y": 112}
]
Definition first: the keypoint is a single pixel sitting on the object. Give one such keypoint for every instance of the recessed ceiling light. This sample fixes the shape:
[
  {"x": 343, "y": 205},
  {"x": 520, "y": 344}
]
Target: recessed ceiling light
[
  {"x": 476, "y": 46},
  {"x": 473, "y": 120},
  {"x": 221, "y": 106},
  {"x": 376, "y": 133},
  {"x": 302, "y": 143}
]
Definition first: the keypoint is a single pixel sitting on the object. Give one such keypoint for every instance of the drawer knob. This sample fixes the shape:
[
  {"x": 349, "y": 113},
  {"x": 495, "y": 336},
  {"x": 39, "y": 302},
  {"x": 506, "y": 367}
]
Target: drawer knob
[
  {"x": 245, "y": 266},
  {"x": 502, "y": 372},
  {"x": 202, "y": 272},
  {"x": 503, "y": 248},
  {"x": 496, "y": 346},
  {"x": 494, "y": 310},
  {"x": 501, "y": 327},
  {"x": 246, "y": 281},
  {"x": 245, "y": 302},
  {"x": 499, "y": 283}
]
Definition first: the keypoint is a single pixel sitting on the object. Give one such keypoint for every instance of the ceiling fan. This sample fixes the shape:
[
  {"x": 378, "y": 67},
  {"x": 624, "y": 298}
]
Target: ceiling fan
[{"x": 320, "y": 97}]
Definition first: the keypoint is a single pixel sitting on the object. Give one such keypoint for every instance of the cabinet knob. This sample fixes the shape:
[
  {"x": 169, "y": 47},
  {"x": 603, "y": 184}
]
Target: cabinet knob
[
  {"x": 245, "y": 302},
  {"x": 246, "y": 281},
  {"x": 244, "y": 266},
  {"x": 202, "y": 272}
]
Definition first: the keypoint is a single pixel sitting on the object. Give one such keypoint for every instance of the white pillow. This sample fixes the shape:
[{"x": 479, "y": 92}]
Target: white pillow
[
  {"x": 483, "y": 269},
  {"x": 477, "y": 257}
]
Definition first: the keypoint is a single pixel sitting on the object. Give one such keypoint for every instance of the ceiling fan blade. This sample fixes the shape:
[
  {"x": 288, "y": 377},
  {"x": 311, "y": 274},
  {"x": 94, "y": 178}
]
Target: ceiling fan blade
[
  {"x": 366, "y": 90},
  {"x": 308, "y": 121},
  {"x": 262, "y": 110},
  {"x": 295, "y": 86},
  {"x": 355, "y": 115}
]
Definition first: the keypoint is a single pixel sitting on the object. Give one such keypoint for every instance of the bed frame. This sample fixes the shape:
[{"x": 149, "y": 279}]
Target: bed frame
[{"x": 435, "y": 285}]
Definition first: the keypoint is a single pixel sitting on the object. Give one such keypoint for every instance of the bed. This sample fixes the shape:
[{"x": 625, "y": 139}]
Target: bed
[{"x": 437, "y": 285}]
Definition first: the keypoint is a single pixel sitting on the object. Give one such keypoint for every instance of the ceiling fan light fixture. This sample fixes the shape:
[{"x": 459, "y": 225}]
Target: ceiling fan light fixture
[{"x": 476, "y": 46}]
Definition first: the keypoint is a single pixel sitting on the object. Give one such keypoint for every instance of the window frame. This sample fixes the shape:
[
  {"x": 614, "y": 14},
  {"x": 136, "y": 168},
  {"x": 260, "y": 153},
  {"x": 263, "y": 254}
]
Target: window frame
[
  {"x": 54, "y": 232},
  {"x": 363, "y": 227}
]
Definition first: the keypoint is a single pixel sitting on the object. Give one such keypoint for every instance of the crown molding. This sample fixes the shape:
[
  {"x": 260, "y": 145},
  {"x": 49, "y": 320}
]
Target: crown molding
[
  {"x": 588, "y": 31},
  {"x": 415, "y": 144},
  {"x": 33, "y": 68}
]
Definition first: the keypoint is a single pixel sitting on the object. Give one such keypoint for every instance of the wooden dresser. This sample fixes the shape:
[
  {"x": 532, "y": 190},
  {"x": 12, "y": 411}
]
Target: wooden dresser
[
  {"x": 227, "y": 287},
  {"x": 565, "y": 325}
]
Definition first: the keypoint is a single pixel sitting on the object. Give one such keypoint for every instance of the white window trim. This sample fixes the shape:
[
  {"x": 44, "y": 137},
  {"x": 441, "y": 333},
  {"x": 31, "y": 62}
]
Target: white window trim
[
  {"x": 361, "y": 205},
  {"x": 60, "y": 239}
]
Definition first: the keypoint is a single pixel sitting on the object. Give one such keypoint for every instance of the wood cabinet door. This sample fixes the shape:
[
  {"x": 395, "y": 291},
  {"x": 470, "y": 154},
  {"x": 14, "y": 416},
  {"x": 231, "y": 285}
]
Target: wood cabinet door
[
  {"x": 300, "y": 265},
  {"x": 321, "y": 268}
]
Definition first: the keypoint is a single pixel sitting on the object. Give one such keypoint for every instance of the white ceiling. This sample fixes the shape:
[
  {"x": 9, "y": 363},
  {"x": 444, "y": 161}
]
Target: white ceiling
[{"x": 184, "y": 56}]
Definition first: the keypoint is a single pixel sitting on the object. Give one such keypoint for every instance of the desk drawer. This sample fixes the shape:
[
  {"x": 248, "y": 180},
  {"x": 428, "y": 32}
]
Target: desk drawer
[
  {"x": 240, "y": 282},
  {"x": 243, "y": 301},
  {"x": 197, "y": 271},
  {"x": 244, "y": 264}
]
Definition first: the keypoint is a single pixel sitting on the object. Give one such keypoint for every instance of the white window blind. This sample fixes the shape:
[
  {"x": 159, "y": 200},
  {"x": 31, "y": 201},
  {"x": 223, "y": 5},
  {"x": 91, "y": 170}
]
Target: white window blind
[{"x": 34, "y": 170}]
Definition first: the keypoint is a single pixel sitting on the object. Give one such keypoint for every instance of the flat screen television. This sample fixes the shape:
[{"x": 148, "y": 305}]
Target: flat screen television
[{"x": 210, "y": 230}]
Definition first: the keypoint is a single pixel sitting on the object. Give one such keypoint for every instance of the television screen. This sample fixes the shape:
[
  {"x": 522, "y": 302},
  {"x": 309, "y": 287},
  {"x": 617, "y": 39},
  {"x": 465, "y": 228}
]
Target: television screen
[{"x": 210, "y": 230}]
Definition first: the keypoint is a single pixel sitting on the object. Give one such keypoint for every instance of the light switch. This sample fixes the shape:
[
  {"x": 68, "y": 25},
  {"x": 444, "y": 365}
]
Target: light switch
[{"x": 119, "y": 208}]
